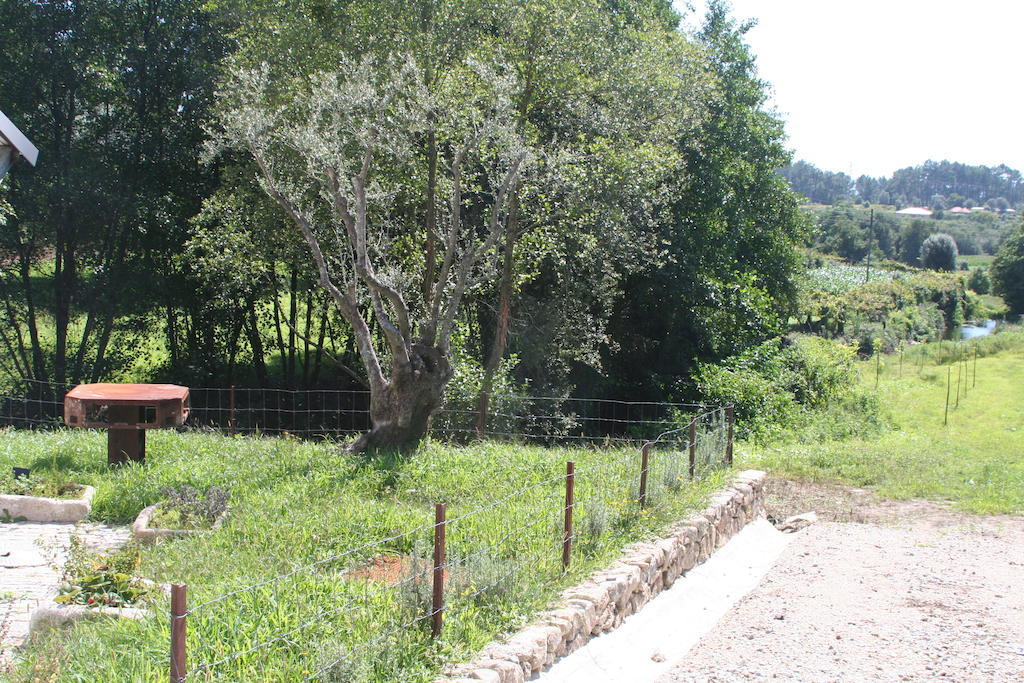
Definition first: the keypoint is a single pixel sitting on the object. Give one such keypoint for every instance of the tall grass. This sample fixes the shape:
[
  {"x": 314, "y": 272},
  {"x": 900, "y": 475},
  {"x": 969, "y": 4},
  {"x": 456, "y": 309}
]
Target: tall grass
[
  {"x": 976, "y": 461},
  {"x": 294, "y": 503}
]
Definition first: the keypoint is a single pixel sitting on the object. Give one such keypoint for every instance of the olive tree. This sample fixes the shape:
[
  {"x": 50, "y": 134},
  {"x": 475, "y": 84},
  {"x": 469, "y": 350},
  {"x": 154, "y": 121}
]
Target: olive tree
[{"x": 335, "y": 150}]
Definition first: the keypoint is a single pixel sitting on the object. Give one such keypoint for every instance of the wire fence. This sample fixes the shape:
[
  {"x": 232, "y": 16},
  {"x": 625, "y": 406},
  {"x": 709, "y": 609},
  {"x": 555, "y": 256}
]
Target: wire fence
[
  {"x": 371, "y": 610},
  {"x": 384, "y": 603},
  {"x": 314, "y": 413}
]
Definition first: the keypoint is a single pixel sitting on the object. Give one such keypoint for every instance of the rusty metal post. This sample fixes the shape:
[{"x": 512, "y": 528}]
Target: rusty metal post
[
  {"x": 231, "y": 411},
  {"x": 693, "y": 446},
  {"x": 570, "y": 501},
  {"x": 730, "y": 412},
  {"x": 437, "y": 604},
  {"x": 178, "y": 632},
  {"x": 645, "y": 458}
]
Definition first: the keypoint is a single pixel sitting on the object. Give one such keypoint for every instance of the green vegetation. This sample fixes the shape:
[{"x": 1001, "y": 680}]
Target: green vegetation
[
  {"x": 102, "y": 580},
  {"x": 939, "y": 252},
  {"x": 979, "y": 281},
  {"x": 183, "y": 507},
  {"x": 1008, "y": 272},
  {"x": 294, "y": 503},
  {"x": 939, "y": 185},
  {"x": 975, "y": 461},
  {"x": 856, "y": 233},
  {"x": 646, "y": 143},
  {"x": 786, "y": 382},
  {"x": 54, "y": 486},
  {"x": 894, "y": 307}
]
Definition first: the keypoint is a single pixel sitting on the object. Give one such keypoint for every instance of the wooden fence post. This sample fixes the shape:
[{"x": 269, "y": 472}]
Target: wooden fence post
[
  {"x": 959, "y": 367},
  {"x": 693, "y": 446},
  {"x": 974, "y": 379},
  {"x": 730, "y": 412},
  {"x": 570, "y": 484},
  {"x": 437, "y": 603},
  {"x": 949, "y": 380},
  {"x": 178, "y": 612},
  {"x": 645, "y": 458}
]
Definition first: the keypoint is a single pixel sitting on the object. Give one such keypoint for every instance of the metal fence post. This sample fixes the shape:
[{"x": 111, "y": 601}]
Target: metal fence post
[
  {"x": 437, "y": 603},
  {"x": 570, "y": 484},
  {"x": 645, "y": 457},
  {"x": 730, "y": 412},
  {"x": 178, "y": 613},
  {"x": 693, "y": 446}
]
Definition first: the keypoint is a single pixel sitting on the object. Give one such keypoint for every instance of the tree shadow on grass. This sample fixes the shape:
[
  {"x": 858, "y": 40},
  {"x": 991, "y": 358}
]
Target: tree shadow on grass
[{"x": 61, "y": 461}]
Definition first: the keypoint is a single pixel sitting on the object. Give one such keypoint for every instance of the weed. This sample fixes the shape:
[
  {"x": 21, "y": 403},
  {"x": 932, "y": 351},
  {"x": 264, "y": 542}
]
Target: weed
[
  {"x": 185, "y": 507},
  {"x": 98, "y": 580}
]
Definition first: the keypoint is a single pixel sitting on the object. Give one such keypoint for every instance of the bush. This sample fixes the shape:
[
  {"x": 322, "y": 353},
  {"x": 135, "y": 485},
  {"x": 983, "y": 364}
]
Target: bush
[
  {"x": 1008, "y": 272},
  {"x": 775, "y": 383},
  {"x": 979, "y": 281},
  {"x": 939, "y": 252}
]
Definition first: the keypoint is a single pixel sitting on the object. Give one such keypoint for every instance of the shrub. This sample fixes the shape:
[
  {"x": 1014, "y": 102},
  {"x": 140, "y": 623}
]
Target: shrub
[
  {"x": 979, "y": 281},
  {"x": 1008, "y": 272},
  {"x": 776, "y": 382},
  {"x": 939, "y": 252}
]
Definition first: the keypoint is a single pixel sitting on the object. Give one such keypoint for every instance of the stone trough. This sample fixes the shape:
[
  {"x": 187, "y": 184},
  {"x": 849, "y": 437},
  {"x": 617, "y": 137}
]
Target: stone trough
[{"x": 40, "y": 509}]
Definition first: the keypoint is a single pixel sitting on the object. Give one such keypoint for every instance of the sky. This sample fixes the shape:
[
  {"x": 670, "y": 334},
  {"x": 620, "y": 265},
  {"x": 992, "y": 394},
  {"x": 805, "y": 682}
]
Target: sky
[{"x": 871, "y": 86}]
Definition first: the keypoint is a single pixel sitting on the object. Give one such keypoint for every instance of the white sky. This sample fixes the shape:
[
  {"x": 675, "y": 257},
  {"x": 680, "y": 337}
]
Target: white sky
[{"x": 874, "y": 85}]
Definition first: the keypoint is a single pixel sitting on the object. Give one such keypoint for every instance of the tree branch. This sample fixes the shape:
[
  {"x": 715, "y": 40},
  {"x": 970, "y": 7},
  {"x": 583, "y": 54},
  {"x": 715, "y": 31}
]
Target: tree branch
[
  {"x": 471, "y": 257},
  {"x": 346, "y": 301}
]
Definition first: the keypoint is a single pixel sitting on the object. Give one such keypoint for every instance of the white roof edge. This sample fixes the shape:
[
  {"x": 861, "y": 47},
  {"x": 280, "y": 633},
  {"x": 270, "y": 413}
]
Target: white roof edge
[{"x": 18, "y": 140}]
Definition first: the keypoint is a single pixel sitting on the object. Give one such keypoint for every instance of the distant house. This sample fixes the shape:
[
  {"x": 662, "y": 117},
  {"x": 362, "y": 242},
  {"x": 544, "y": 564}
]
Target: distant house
[
  {"x": 914, "y": 211},
  {"x": 959, "y": 209}
]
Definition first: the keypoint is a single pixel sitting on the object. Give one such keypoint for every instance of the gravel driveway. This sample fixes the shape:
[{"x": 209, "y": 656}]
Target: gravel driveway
[{"x": 904, "y": 591}]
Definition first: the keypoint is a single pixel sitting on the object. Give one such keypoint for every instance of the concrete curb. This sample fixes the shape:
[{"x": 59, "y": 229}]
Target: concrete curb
[
  {"x": 602, "y": 602},
  {"x": 39, "y": 509}
]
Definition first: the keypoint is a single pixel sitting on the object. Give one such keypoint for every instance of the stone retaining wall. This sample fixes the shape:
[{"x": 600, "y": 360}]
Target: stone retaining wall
[{"x": 601, "y": 603}]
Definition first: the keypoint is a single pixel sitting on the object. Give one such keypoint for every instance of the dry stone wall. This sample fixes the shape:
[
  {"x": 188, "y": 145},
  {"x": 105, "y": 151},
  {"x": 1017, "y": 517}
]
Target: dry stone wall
[{"x": 601, "y": 603}]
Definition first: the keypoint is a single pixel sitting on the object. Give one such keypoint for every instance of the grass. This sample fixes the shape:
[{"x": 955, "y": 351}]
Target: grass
[
  {"x": 976, "y": 461},
  {"x": 975, "y": 260},
  {"x": 293, "y": 503}
]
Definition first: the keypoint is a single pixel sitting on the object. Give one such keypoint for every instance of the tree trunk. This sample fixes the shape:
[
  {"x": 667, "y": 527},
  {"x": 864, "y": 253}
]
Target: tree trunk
[
  {"x": 501, "y": 333},
  {"x": 400, "y": 411}
]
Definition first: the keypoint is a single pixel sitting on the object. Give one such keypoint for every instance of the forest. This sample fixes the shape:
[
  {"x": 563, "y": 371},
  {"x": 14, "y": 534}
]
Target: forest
[
  {"x": 569, "y": 197},
  {"x": 936, "y": 184}
]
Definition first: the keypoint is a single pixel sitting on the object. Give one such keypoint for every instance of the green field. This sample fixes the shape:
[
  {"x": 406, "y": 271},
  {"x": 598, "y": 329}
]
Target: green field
[
  {"x": 295, "y": 503},
  {"x": 976, "y": 461}
]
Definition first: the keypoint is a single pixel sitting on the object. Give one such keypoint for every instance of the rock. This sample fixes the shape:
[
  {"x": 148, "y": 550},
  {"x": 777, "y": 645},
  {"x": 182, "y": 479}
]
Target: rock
[{"x": 798, "y": 522}]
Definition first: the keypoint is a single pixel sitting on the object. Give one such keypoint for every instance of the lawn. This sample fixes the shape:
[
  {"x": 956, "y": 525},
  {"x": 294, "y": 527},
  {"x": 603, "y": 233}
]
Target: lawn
[
  {"x": 296, "y": 503},
  {"x": 976, "y": 461}
]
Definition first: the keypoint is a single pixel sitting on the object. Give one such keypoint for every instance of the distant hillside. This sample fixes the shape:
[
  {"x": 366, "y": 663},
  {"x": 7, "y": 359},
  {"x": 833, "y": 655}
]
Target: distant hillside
[{"x": 935, "y": 184}]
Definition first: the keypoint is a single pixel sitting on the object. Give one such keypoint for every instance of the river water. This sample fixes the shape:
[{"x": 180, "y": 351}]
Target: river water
[{"x": 984, "y": 329}]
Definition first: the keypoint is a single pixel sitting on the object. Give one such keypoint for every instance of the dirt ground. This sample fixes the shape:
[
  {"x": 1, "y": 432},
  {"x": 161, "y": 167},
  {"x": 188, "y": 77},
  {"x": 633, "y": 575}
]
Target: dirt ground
[{"x": 876, "y": 590}]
